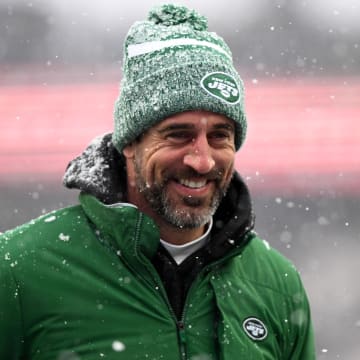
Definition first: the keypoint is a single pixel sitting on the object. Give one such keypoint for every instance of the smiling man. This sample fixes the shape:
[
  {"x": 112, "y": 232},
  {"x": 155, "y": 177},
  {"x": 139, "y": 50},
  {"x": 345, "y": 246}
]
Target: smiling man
[
  {"x": 179, "y": 171},
  {"x": 160, "y": 259}
]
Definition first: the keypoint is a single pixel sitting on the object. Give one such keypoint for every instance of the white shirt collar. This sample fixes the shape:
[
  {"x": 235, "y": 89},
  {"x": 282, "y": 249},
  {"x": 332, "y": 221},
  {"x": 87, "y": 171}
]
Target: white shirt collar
[{"x": 181, "y": 252}]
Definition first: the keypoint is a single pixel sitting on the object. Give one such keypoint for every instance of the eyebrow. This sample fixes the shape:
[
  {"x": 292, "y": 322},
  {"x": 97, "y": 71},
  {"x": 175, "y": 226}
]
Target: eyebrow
[
  {"x": 187, "y": 126},
  {"x": 180, "y": 126},
  {"x": 229, "y": 127}
]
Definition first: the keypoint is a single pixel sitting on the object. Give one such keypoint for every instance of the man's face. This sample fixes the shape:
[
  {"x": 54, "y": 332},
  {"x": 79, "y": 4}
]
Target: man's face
[{"x": 181, "y": 168}]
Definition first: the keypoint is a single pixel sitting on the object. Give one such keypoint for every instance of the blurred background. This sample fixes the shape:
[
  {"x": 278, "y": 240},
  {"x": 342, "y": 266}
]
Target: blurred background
[{"x": 60, "y": 68}]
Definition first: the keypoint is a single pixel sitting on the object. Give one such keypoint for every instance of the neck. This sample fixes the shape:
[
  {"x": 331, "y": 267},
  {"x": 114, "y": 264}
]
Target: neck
[{"x": 177, "y": 236}]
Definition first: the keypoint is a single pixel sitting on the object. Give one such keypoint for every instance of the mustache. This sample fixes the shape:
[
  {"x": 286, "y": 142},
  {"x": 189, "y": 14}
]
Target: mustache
[{"x": 213, "y": 175}]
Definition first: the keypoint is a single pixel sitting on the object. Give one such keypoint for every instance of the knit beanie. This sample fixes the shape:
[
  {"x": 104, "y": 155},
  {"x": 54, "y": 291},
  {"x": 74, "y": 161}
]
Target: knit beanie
[{"x": 172, "y": 64}]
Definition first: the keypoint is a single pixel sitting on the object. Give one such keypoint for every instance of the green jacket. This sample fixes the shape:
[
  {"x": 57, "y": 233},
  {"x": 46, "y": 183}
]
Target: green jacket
[{"x": 80, "y": 283}]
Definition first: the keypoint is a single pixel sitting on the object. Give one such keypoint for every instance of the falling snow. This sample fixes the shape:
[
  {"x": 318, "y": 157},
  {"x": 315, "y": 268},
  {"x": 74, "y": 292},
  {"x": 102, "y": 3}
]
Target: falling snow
[
  {"x": 118, "y": 346},
  {"x": 63, "y": 237}
]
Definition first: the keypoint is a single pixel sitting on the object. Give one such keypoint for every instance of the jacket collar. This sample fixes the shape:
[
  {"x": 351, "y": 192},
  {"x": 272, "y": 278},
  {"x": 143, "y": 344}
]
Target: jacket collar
[{"x": 122, "y": 227}]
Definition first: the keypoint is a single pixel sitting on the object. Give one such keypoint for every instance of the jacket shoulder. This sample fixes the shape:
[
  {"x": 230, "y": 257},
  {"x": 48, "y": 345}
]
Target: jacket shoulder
[
  {"x": 48, "y": 229},
  {"x": 267, "y": 267}
]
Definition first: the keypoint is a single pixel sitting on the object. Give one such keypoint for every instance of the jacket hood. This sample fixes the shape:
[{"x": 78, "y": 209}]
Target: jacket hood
[{"x": 100, "y": 171}]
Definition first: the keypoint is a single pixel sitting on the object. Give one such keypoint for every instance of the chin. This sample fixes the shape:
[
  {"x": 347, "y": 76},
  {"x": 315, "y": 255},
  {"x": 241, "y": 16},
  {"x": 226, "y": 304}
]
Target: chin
[{"x": 188, "y": 217}]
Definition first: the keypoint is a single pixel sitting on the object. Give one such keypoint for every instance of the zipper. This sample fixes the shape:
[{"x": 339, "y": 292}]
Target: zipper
[
  {"x": 180, "y": 325},
  {"x": 182, "y": 339}
]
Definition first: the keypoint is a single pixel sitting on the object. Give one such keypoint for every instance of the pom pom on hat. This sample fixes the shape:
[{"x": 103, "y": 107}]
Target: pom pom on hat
[
  {"x": 170, "y": 14},
  {"x": 173, "y": 64}
]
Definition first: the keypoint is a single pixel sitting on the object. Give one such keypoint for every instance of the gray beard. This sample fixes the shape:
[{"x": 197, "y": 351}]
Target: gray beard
[
  {"x": 187, "y": 218},
  {"x": 160, "y": 202}
]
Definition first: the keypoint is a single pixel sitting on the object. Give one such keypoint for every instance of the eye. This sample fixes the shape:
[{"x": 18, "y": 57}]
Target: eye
[
  {"x": 180, "y": 136},
  {"x": 220, "y": 136}
]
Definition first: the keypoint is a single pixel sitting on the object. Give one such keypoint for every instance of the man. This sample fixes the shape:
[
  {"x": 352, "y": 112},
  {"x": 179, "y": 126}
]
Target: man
[{"x": 159, "y": 260}]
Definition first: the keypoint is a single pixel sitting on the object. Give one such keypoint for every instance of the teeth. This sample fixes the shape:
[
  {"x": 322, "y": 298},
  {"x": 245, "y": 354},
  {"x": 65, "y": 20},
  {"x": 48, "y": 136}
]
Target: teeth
[{"x": 193, "y": 184}]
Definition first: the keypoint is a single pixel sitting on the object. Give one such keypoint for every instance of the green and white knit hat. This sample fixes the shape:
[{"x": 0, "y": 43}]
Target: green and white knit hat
[{"x": 172, "y": 63}]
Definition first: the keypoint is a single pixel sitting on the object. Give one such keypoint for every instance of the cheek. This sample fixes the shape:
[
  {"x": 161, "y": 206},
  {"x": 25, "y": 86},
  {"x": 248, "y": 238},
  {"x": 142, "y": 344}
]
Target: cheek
[
  {"x": 152, "y": 167},
  {"x": 149, "y": 173},
  {"x": 229, "y": 172},
  {"x": 227, "y": 164},
  {"x": 226, "y": 158}
]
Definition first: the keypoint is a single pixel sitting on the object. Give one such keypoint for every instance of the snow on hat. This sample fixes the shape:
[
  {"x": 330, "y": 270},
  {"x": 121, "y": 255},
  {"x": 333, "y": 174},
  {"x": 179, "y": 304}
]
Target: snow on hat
[{"x": 172, "y": 63}]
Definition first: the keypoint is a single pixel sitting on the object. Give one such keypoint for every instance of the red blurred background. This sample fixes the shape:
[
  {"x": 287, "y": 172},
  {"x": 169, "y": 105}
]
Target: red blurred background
[{"x": 303, "y": 134}]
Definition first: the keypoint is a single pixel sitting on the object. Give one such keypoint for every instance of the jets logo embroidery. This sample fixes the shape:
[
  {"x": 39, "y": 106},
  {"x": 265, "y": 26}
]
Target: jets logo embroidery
[
  {"x": 255, "y": 328},
  {"x": 222, "y": 86}
]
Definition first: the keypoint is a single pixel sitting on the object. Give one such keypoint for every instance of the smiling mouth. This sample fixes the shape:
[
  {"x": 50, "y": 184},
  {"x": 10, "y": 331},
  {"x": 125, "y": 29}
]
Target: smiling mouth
[{"x": 191, "y": 184}]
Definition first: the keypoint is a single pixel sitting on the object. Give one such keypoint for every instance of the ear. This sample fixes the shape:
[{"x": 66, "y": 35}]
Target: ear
[
  {"x": 129, "y": 151},
  {"x": 129, "y": 155}
]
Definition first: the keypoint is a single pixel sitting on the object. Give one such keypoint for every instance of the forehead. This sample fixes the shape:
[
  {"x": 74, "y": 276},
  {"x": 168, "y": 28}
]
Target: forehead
[{"x": 196, "y": 119}]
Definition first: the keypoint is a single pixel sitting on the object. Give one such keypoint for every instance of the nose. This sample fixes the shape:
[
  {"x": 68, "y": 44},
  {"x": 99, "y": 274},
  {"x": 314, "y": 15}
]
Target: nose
[{"x": 200, "y": 156}]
